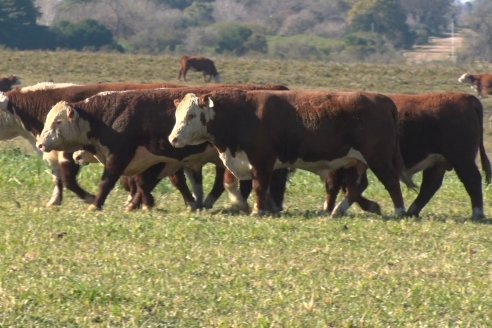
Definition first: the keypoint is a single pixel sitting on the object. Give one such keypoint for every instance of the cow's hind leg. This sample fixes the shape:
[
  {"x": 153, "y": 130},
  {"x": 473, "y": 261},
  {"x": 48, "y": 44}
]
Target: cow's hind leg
[
  {"x": 431, "y": 182},
  {"x": 196, "y": 180},
  {"x": 469, "y": 175},
  {"x": 234, "y": 189}
]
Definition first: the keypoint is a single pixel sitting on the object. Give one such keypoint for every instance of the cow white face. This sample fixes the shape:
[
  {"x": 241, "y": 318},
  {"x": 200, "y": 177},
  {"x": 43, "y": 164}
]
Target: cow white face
[
  {"x": 465, "y": 78},
  {"x": 63, "y": 129},
  {"x": 192, "y": 116}
]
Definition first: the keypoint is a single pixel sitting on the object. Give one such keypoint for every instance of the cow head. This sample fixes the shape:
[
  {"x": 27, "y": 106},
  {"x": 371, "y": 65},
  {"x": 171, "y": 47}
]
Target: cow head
[
  {"x": 83, "y": 157},
  {"x": 192, "y": 116},
  {"x": 465, "y": 78},
  {"x": 64, "y": 129},
  {"x": 217, "y": 78}
]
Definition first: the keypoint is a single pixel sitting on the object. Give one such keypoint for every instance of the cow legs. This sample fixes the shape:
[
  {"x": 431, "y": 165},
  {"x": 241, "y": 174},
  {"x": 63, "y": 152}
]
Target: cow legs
[
  {"x": 388, "y": 176},
  {"x": 431, "y": 182},
  {"x": 278, "y": 185},
  {"x": 179, "y": 181},
  {"x": 238, "y": 202},
  {"x": 261, "y": 182},
  {"x": 57, "y": 194},
  {"x": 196, "y": 180},
  {"x": 470, "y": 176},
  {"x": 69, "y": 170},
  {"x": 340, "y": 179},
  {"x": 217, "y": 188}
]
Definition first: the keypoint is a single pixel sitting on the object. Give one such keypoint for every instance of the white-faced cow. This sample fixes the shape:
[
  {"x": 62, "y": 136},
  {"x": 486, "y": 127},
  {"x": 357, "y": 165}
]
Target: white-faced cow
[
  {"x": 481, "y": 83},
  {"x": 438, "y": 132},
  {"x": 125, "y": 131},
  {"x": 257, "y": 131},
  {"x": 199, "y": 64},
  {"x": 23, "y": 111}
]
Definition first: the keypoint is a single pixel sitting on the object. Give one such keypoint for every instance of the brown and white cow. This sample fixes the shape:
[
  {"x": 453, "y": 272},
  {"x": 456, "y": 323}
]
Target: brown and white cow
[
  {"x": 23, "y": 111},
  {"x": 125, "y": 131},
  {"x": 199, "y": 64},
  {"x": 6, "y": 83},
  {"x": 438, "y": 132},
  {"x": 481, "y": 83},
  {"x": 257, "y": 131}
]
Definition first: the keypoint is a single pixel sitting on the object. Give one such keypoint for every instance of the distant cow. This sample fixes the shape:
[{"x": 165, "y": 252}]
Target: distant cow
[
  {"x": 481, "y": 83},
  {"x": 23, "y": 111},
  {"x": 199, "y": 64},
  {"x": 6, "y": 83},
  {"x": 438, "y": 132},
  {"x": 127, "y": 132},
  {"x": 257, "y": 131}
]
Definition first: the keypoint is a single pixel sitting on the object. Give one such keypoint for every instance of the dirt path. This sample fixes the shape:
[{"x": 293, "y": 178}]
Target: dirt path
[{"x": 438, "y": 49}]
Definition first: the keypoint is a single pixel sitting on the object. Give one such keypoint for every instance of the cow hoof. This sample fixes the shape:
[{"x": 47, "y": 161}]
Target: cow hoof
[
  {"x": 93, "y": 207},
  {"x": 209, "y": 202},
  {"x": 478, "y": 214},
  {"x": 241, "y": 207},
  {"x": 53, "y": 203}
]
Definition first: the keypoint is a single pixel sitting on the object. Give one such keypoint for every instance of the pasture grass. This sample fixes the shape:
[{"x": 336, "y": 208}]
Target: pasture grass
[{"x": 66, "y": 267}]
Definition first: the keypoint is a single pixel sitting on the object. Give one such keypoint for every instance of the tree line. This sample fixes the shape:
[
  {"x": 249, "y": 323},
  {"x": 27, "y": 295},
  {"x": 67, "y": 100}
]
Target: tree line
[{"x": 312, "y": 29}]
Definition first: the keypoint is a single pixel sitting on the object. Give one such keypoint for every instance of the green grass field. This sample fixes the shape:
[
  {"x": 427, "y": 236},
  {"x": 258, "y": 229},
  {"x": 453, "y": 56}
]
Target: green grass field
[{"x": 66, "y": 267}]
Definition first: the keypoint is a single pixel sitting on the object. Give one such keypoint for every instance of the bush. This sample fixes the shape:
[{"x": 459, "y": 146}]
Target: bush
[
  {"x": 303, "y": 47},
  {"x": 86, "y": 34},
  {"x": 232, "y": 38}
]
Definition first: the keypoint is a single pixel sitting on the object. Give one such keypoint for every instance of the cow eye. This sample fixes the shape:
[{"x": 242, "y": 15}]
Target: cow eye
[
  {"x": 190, "y": 117},
  {"x": 58, "y": 122}
]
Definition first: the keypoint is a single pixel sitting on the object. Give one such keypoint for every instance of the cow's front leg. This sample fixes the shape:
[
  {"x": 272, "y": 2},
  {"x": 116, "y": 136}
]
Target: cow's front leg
[
  {"x": 178, "y": 180},
  {"x": 113, "y": 169},
  {"x": 261, "y": 184}
]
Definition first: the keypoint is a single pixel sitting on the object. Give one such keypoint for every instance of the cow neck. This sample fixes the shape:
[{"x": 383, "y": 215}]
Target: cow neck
[{"x": 31, "y": 109}]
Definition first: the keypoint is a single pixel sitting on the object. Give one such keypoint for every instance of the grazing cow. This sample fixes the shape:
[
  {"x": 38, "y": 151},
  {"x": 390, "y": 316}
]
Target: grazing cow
[
  {"x": 6, "y": 83},
  {"x": 481, "y": 83},
  {"x": 438, "y": 132},
  {"x": 23, "y": 111},
  {"x": 257, "y": 131},
  {"x": 199, "y": 64},
  {"x": 128, "y": 133}
]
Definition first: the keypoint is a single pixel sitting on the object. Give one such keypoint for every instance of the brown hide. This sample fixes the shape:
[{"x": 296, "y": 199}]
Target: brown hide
[
  {"x": 483, "y": 83},
  {"x": 199, "y": 64},
  {"x": 311, "y": 126},
  {"x": 447, "y": 124}
]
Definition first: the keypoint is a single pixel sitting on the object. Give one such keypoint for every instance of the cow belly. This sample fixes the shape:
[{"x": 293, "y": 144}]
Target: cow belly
[
  {"x": 240, "y": 166},
  {"x": 324, "y": 167},
  {"x": 197, "y": 160},
  {"x": 430, "y": 161},
  {"x": 143, "y": 159}
]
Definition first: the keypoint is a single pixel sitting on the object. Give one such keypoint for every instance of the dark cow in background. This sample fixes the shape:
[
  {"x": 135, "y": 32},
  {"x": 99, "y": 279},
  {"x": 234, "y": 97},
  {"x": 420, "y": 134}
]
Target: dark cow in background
[
  {"x": 481, "y": 83},
  {"x": 126, "y": 131},
  {"x": 438, "y": 132},
  {"x": 23, "y": 111},
  {"x": 6, "y": 83},
  {"x": 199, "y": 64},
  {"x": 257, "y": 131}
]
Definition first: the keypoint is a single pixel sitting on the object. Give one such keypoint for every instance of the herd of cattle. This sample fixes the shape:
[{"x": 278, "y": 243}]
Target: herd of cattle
[{"x": 253, "y": 134}]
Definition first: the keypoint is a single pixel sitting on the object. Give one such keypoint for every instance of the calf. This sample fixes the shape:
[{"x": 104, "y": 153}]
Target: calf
[
  {"x": 23, "y": 111},
  {"x": 199, "y": 64},
  {"x": 257, "y": 131},
  {"x": 127, "y": 132},
  {"x": 6, "y": 83},
  {"x": 481, "y": 83},
  {"x": 438, "y": 132}
]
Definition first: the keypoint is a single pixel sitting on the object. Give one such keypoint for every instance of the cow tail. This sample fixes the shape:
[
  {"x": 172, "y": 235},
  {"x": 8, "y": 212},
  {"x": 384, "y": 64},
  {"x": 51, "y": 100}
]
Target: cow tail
[{"x": 483, "y": 155}]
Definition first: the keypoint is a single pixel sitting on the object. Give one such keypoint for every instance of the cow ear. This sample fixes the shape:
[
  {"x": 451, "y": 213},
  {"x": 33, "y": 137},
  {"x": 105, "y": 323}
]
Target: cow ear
[
  {"x": 176, "y": 102},
  {"x": 72, "y": 114},
  {"x": 205, "y": 101}
]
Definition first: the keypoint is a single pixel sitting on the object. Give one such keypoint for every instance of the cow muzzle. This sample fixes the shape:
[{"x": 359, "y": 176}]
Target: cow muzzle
[{"x": 175, "y": 142}]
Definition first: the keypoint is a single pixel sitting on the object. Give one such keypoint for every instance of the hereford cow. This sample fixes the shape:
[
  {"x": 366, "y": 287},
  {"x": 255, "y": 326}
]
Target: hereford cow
[
  {"x": 257, "y": 131},
  {"x": 199, "y": 64},
  {"x": 6, "y": 83},
  {"x": 23, "y": 111},
  {"x": 127, "y": 132},
  {"x": 438, "y": 132},
  {"x": 481, "y": 83}
]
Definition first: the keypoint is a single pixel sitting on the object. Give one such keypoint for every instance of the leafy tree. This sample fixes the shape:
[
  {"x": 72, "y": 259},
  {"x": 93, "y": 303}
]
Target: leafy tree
[
  {"x": 232, "y": 37},
  {"x": 433, "y": 16},
  {"x": 478, "y": 41},
  {"x": 86, "y": 34},
  {"x": 384, "y": 17},
  {"x": 17, "y": 22}
]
